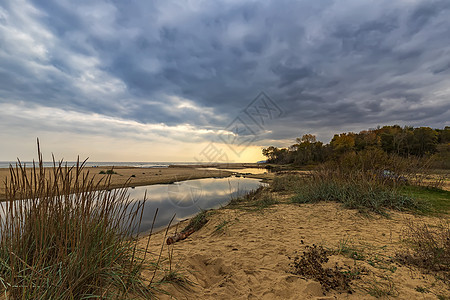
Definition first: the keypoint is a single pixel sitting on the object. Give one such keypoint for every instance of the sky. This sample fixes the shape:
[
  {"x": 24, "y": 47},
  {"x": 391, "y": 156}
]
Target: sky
[{"x": 201, "y": 81}]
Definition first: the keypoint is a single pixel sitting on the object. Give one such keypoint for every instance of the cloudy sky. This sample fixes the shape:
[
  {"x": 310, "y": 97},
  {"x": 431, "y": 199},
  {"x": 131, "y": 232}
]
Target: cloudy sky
[{"x": 182, "y": 80}]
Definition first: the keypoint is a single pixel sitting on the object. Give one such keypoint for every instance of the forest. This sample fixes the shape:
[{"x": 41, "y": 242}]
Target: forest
[{"x": 424, "y": 142}]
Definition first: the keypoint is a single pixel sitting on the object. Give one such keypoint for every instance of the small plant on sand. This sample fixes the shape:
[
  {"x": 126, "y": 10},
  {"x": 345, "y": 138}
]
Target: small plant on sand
[
  {"x": 108, "y": 172},
  {"x": 382, "y": 288},
  {"x": 428, "y": 247},
  {"x": 310, "y": 265},
  {"x": 220, "y": 228},
  {"x": 63, "y": 236},
  {"x": 197, "y": 222},
  {"x": 175, "y": 278},
  {"x": 255, "y": 200},
  {"x": 344, "y": 248}
]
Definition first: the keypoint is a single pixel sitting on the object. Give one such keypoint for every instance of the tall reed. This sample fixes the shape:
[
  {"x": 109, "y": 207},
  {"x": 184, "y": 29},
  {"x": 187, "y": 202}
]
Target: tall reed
[{"x": 65, "y": 235}]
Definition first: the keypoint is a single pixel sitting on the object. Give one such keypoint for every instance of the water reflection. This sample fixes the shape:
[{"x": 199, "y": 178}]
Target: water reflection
[
  {"x": 242, "y": 170},
  {"x": 186, "y": 198}
]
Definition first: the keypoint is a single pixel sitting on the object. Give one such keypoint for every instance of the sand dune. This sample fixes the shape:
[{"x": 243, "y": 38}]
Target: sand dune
[{"x": 248, "y": 259}]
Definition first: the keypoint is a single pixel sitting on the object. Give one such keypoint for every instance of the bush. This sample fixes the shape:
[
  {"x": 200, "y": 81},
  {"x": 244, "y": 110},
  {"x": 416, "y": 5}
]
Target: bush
[
  {"x": 69, "y": 239},
  {"x": 369, "y": 180}
]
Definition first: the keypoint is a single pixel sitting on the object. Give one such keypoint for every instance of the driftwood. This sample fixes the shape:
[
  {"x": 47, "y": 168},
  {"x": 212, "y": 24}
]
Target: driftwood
[{"x": 179, "y": 236}]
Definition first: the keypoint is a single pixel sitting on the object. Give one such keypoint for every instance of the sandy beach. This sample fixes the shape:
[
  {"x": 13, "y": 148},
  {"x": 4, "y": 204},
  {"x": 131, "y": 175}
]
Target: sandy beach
[
  {"x": 245, "y": 254},
  {"x": 142, "y": 176},
  {"x": 248, "y": 258},
  {"x": 148, "y": 176}
]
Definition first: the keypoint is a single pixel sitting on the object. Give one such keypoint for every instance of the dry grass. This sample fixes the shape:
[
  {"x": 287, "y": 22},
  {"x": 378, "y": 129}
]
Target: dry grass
[
  {"x": 428, "y": 248},
  {"x": 368, "y": 181},
  {"x": 355, "y": 190},
  {"x": 255, "y": 200},
  {"x": 72, "y": 238},
  {"x": 310, "y": 265}
]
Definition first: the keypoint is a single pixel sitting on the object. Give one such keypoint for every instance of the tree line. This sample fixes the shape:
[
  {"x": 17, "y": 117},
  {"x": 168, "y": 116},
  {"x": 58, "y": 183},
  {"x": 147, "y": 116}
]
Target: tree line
[{"x": 403, "y": 141}]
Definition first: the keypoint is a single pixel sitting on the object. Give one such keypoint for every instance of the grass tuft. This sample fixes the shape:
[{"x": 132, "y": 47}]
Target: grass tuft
[
  {"x": 257, "y": 199},
  {"x": 197, "y": 222},
  {"x": 286, "y": 182},
  {"x": 72, "y": 238},
  {"x": 220, "y": 228},
  {"x": 428, "y": 248},
  {"x": 178, "y": 280},
  {"x": 356, "y": 190},
  {"x": 384, "y": 288},
  {"x": 344, "y": 248}
]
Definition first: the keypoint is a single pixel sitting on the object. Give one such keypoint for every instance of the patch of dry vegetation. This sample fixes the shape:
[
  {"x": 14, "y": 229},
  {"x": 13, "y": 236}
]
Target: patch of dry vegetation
[
  {"x": 255, "y": 200},
  {"x": 310, "y": 265},
  {"x": 428, "y": 248},
  {"x": 72, "y": 238}
]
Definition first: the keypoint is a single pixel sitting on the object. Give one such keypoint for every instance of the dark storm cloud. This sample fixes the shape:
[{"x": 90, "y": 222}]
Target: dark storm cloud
[{"x": 328, "y": 64}]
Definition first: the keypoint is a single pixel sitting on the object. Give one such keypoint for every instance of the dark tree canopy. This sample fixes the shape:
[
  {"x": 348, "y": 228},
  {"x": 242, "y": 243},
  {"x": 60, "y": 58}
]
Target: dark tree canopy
[{"x": 406, "y": 141}]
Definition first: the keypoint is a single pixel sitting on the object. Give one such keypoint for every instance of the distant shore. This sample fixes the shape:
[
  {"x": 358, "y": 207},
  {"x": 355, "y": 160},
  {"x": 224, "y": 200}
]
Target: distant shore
[{"x": 148, "y": 176}]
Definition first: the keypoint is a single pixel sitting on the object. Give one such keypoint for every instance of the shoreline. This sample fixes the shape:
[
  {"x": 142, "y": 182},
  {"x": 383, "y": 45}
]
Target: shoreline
[{"x": 138, "y": 176}]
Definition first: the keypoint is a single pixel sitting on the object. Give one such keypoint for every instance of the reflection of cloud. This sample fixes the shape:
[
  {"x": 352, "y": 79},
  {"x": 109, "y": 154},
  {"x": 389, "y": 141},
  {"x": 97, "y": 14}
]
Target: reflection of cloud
[
  {"x": 214, "y": 192},
  {"x": 191, "y": 190}
]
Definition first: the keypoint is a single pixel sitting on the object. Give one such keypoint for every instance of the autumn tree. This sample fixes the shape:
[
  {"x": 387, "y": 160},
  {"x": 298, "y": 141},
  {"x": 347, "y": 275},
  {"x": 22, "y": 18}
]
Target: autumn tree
[
  {"x": 393, "y": 139},
  {"x": 343, "y": 142},
  {"x": 307, "y": 150}
]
